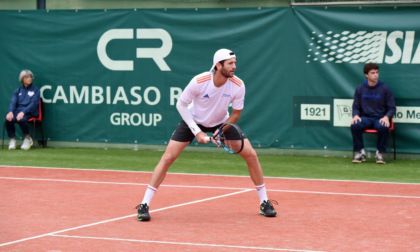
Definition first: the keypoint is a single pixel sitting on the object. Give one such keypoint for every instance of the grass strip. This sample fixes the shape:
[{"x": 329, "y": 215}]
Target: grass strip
[{"x": 221, "y": 163}]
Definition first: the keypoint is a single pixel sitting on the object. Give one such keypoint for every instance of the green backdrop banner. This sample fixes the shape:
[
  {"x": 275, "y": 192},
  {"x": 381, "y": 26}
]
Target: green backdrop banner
[{"x": 115, "y": 75}]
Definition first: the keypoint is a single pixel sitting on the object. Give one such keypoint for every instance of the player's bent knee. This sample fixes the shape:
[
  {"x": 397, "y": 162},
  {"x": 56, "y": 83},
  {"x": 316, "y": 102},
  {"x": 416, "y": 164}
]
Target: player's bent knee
[
  {"x": 168, "y": 158},
  {"x": 249, "y": 155}
]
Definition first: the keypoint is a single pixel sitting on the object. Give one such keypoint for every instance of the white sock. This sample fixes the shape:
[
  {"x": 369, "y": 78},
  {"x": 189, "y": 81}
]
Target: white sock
[
  {"x": 363, "y": 151},
  {"x": 150, "y": 192},
  {"x": 262, "y": 193}
]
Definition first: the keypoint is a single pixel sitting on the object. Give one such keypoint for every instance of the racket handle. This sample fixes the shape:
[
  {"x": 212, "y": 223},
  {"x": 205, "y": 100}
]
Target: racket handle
[{"x": 207, "y": 138}]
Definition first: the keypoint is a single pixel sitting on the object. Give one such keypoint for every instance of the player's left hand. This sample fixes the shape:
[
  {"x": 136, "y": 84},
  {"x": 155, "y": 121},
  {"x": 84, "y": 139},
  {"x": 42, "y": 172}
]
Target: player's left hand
[{"x": 215, "y": 138}]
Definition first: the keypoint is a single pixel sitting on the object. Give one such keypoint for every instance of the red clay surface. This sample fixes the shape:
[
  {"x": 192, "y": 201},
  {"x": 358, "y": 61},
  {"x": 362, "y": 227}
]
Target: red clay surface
[{"x": 88, "y": 210}]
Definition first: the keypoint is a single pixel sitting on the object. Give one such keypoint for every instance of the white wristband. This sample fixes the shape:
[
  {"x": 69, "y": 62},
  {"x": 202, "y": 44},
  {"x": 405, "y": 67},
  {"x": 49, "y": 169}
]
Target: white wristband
[{"x": 194, "y": 128}]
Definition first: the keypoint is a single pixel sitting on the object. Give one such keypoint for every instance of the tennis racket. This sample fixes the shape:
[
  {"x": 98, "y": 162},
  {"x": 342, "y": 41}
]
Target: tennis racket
[{"x": 230, "y": 137}]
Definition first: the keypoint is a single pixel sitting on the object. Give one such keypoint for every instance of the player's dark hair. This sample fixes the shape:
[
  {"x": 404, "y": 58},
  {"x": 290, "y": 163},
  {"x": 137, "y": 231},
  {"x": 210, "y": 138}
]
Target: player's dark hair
[
  {"x": 370, "y": 66},
  {"x": 221, "y": 62}
]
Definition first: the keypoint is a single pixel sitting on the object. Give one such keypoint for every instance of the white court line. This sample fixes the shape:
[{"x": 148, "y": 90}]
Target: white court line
[
  {"x": 123, "y": 217},
  {"x": 222, "y": 188},
  {"x": 119, "y": 183},
  {"x": 216, "y": 175},
  {"x": 349, "y": 194},
  {"x": 185, "y": 243}
]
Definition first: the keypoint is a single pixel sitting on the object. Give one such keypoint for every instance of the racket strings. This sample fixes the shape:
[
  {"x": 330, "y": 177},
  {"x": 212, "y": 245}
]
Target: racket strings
[
  {"x": 231, "y": 138},
  {"x": 232, "y": 144}
]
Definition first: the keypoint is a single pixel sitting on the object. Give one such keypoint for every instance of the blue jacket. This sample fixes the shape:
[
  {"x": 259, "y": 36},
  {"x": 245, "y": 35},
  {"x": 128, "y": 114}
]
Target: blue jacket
[
  {"x": 25, "y": 100},
  {"x": 376, "y": 101}
]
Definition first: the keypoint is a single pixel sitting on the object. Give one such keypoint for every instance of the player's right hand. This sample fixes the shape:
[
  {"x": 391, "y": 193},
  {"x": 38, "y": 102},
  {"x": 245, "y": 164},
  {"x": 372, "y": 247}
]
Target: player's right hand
[{"x": 202, "y": 137}]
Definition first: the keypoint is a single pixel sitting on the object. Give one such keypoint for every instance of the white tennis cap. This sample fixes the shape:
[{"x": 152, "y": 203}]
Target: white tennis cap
[{"x": 222, "y": 54}]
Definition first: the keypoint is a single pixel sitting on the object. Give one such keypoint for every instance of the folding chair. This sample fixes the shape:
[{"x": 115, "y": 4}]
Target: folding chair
[{"x": 35, "y": 121}]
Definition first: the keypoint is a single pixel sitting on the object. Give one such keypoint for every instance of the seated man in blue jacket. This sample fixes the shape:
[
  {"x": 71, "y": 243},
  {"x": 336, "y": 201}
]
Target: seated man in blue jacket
[
  {"x": 23, "y": 106},
  {"x": 373, "y": 107}
]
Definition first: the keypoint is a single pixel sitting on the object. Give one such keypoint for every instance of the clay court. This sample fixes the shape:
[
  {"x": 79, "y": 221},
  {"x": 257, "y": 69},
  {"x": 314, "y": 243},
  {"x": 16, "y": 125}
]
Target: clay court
[{"x": 53, "y": 209}]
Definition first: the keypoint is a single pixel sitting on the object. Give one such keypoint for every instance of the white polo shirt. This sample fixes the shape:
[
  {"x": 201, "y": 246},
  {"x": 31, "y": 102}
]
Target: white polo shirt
[{"x": 209, "y": 104}]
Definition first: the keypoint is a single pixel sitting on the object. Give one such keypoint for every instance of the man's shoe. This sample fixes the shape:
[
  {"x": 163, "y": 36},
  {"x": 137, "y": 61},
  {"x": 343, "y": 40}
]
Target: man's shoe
[
  {"x": 359, "y": 158},
  {"x": 27, "y": 143},
  {"x": 380, "y": 158},
  {"x": 267, "y": 209},
  {"x": 12, "y": 144},
  {"x": 143, "y": 212}
]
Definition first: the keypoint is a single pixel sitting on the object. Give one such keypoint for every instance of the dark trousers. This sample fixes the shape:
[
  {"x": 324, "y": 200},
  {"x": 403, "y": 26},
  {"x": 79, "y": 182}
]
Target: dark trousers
[
  {"x": 369, "y": 123},
  {"x": 23, "y": 124}
]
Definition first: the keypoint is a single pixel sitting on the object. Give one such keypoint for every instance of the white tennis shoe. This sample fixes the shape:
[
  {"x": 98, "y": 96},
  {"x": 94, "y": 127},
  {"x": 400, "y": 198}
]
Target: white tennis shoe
[
  {"x": 27, "y": 143},
  {"x": 12, "y": 144}
]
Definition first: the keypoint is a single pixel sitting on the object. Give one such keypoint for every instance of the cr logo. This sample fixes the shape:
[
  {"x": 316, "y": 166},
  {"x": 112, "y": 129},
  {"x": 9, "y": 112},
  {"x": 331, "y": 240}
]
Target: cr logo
[{"x": 157, "y": 54}]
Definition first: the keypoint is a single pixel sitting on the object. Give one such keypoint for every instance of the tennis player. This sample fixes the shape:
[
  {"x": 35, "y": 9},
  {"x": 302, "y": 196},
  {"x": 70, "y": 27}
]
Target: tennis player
[{"x": 203, "y": 106}]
